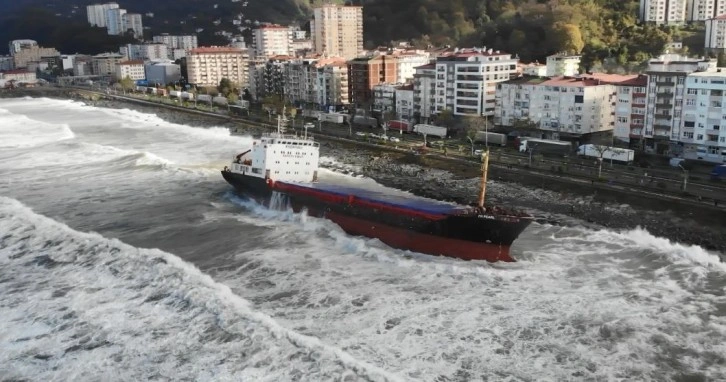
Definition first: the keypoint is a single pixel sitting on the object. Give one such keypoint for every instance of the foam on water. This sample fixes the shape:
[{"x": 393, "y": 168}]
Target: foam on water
[
  {"x": 20, "y": 131},
  {"x": 97, "y": 303}
]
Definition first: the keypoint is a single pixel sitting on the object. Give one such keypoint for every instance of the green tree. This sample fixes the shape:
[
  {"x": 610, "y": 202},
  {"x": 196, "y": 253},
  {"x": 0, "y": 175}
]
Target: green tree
[
  {"x": 232, "y": 98},
  {"x": 127, "y": 84},
  {"x": 225, "y": 86},
  {"x": 566, "y": 37},
  {"x": 445, "y": 118}
]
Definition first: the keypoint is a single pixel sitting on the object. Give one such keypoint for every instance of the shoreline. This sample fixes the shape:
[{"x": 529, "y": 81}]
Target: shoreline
[{"x": 558, "y": 204}]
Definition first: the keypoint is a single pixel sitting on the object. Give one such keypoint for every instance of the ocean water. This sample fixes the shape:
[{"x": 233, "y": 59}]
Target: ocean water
[{"x": 125, "y": 256}]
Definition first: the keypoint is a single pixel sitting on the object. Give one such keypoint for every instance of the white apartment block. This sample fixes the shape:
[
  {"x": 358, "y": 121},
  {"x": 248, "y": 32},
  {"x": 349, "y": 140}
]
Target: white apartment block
[
  {"x": 560, "y": 106},
  {"x": 424, "y": 93},
  {"x": 384, "y": 97},
  {"x": 177, "y": 45},
  {"x": 630, "y": 109},
  {"x": 716, "y": 34},
  {"x": 206, "y": 66},
  {"x": 105, "y": 64},
  {"x": 332, "y": 82},
  {"x": 407, "y": 64},
  {"x": 562, "y": 65},
  {"x": 664, "y": 11},
  {"x": 534, "y": 69},
  {"x": 700, "y": 10},
  {"x": 299, "y": 80},
  {"x": 145, "y": 52},
  {"x": 337, "y": 31},
  {"x": 115, "y": 24},
  {"x": 703, "y": 131},
  {"x": 132, "y": 22},
  {"x": 666, "y": 84},
  {"x": 132, "y": 69},
  {"x": 96, "y": 14},
  {"x": 466, "y": 80},
  {"x": 404, "y": 103},
  {"x": 271, "y": 40}
]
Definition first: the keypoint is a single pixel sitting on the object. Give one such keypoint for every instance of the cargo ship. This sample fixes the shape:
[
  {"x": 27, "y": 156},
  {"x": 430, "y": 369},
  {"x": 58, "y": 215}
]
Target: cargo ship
[{"x": 280, "y": 171}]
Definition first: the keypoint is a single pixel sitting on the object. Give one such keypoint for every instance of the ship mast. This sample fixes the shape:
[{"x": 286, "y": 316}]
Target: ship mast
[
  {"x": 484, "y": 171},
  {"x": 281, "y": 122}
]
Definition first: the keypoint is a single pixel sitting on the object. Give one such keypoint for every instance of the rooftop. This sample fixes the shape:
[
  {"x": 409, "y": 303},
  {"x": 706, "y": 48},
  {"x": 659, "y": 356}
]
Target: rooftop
[
  {"x": 132, "y": 62},
  {"x": 216, "y": 49},
  {"x": 719, "y": 72}
]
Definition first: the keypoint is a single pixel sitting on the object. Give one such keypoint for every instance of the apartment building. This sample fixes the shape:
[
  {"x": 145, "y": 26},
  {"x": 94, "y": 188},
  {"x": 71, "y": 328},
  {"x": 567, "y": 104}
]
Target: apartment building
[
  {"x": 384, "y": 98},
  {"x": 206, "y": 66},
  {"x": 366, "y": 72},
  {"x": 133, "y": 69},
  {"x": 666, "y": 84},
  {"x": 700, "y": 10},
  {"x": 300, "y": 77},
  {"x": 177, "y": 45},
  {"x": 562, "y": 107},
  {"x": 716, "y": 34},
  {"x": 132, "y": 22},
  {"x": 466, "y": 80},
  {"x": 270, "y": 40},
  {"x": 115, "y": 23},
  {"x": 145, "y": 52},
  {"x": 337, "y": 30},
  {"x": 96, "y": 14},
  {"x": 408, "y": 61},
  {"x": 404, "y": 103},
  {"x": 562, "y": 65},
  {"x": 32, "y": 53},
  {"x": 630, "y": 110},
  {"x": 7, "y": 63},
  {"x": 18, "y": 75},
  {"x": 162, "y": 73},
  {"x": 424, "y": 93},
  {"x": 105, "y": 64},
  {"x": 664, "y": 11},
  {"x": 332, "y": 83},
  {"x": 703, "y": 132},
  {"x": 15, "y": 46}
]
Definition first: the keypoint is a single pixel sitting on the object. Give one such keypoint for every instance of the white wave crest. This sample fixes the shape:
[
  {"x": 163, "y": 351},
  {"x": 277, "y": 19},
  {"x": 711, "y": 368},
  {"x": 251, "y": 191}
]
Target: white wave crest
[{"x": 20, "y": 131}]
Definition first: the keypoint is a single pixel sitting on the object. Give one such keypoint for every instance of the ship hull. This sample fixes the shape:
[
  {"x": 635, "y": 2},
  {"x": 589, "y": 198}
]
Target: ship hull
[{"x": 463, "y": 237}]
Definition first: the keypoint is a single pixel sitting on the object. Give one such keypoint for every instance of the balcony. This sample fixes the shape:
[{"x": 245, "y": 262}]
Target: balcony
[{"x": 665, "y": 83}]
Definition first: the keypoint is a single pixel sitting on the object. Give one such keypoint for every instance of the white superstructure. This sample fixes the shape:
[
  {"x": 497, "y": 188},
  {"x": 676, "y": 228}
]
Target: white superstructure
[{"x": 280, "y": 157}]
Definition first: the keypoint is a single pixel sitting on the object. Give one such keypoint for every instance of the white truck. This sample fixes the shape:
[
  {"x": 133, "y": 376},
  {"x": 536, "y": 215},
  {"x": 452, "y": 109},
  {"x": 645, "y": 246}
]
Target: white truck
[
  {"x": 204, "y": 98},
  {"x": 436, "y": 131},
  {"x": 175, "y": 94},
  {"x": 607, "y": 153},
  {"x": 490, "y": 138},
  {"x": 331, "y": 117},
  {"x": 187, "y": 96},
  {"x": 544, "y": 146}
]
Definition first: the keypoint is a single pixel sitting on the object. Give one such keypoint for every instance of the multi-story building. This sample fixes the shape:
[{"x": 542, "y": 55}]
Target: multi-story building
[
  {"x": 384, "y": 98},
  {"x": 115, "y": 23},
  {"x": 332, "y": 83},
  {"x": 105, "y": 64},
  {"x": 206, "y": 66},
  {"x": 7, "y": 63},
  {"x": 162, "y": 73},
  {"x": 562, "y": 107},
  {"x": 663, "y": 11},
  {"x": 466, "y": 80},
  {"x": 366, "y": 72},
  {"x": 407, "y": 64},
  {"x": 270, "y": 40},
  {"x": 18, "y": 75},
  {"x": 404, "y": 103},
  {"x": 96, "y": 14},
  {"x": 563, "y": 65},
  {"x": 18, "y": 45},
  {"x": 33, "y": 53},
  {"x": 133, "y": 69},
  {"x": 630, "y": 110},
  {"x": 337, "y": 30},
  {"x": 299, "y": 77},
  {"x": 534, "y": 69},
  {"x": 132, "y": 22},
  {"x": 666, "y": 83},
  {"x": 716, "y": 34},
  {"x": 700, "y": 10},
  {"x": 703, "y": 132},
  {"x": 424, "y": 93},
  {"x": 273, "y": 77},
  {"x": 145, "y": 52},
  {"x": 82, "y": 65},
  {"x": 177, "y": 45}
]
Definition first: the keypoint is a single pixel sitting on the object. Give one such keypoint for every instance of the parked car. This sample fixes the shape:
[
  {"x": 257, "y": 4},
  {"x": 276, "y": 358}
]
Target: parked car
[{"x": 394, "y": 139}]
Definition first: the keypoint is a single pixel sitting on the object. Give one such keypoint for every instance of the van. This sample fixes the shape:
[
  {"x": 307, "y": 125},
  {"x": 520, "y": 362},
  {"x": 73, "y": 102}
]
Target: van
[
  {"x": 718, "y": 172},
  {"x": 675, "y": 162}
]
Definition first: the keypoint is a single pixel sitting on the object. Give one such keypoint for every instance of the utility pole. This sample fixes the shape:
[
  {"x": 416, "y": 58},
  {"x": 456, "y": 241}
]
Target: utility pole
[{"x": 685, "y": 177}]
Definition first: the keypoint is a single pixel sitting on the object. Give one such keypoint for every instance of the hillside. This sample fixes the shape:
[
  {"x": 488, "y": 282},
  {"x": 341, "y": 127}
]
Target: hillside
[{"x": 533, "y": 29}]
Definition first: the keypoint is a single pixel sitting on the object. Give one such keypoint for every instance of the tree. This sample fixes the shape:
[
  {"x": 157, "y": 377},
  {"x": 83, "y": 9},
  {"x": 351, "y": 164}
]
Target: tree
[
  {"x": 127, "y": 84},
  {"x": 225, "y": 86},
  {"x": 566, "y": 37},
  {"x": 445, "y": 118},
  {"x": 232, "y": 98}
]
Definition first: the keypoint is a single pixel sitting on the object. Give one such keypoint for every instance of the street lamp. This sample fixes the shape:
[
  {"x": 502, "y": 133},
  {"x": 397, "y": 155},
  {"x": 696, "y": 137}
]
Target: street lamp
[{"x": 685, "y": 177}]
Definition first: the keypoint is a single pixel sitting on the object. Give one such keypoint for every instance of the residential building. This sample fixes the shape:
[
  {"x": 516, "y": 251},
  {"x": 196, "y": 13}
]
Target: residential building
[
  {"x": 96, "y": 14},
  {"x": 299, "y": 80},
  {"x": 337, "y": 30},
  {"x": 569, "y": 108},
  {"x": 300, "y": 48},
  {"x": 424, "y": 93},
  {"x": 562, "y": 65},
  {"x": 404, "y": 103},
  {"x": 32, "y": 53},
  {"x": 384, "y": 98},
  {"x": 466, "y": 80},
  {"x": 132, "y": 22},
  {"x": 703, "y": 132},
  {"x": 177, "y": 45},
  {"x": 145, "y": 52},
  {"x": 270, "y": 40},
  {"x": 105, "y": 64},
  {"x": 18, "y": 75},
  {"x": 664, "y": 11},
  {"x": 7, "y": 63},
  {"x": 666, "y": 83},
  {"x": 332, "y": 83},
  {"x": 701, "y": 10},
  {"x": 206, "y": 66},
  {"x": 132, "y": 69},
  {"x": 162, "y": 72},
  {"x": 630, "y": 110},
  {"x": 83, "y": 65},
  {"x": 408, "y": 61},
  {"x": 716, "y": 34},
  {"x": 18, "y": 45},
  {"x": 366, "y": 72},
  {"x": 534, "y": 69},
  {"x": 115, "y": 23}
]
